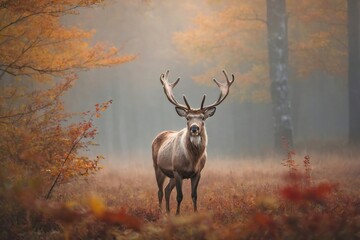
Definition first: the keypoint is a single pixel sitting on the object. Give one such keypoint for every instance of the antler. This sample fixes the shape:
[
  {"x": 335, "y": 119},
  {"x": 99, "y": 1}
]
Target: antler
[
  {"x": 168, "y": 89},
  {"x": 224, "y": 91}
]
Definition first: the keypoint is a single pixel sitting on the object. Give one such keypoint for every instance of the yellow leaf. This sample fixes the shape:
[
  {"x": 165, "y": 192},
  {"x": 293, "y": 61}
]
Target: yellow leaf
[{"x": 97, "y": 206}]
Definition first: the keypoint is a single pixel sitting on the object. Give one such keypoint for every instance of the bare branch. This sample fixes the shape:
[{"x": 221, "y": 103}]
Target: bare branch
[
  {"x": 50, "y": 13},
  {"x": 36, "y": 109}
]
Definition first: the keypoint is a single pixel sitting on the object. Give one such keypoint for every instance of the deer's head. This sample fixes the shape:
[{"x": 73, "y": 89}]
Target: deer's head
[{"x": 195, "y": 116}]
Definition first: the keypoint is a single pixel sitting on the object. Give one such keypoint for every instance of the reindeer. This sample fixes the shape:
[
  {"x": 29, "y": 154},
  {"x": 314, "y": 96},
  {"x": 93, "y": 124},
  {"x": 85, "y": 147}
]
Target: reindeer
[{"x": 181, "y": 154}]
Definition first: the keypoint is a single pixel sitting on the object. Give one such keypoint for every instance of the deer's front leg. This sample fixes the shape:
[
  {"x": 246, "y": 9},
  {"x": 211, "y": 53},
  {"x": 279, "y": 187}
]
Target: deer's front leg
[
  {"x": 168, "y": 190},
  {"x": 194, "y": 184},
  {"x": 179, "y": 196}
]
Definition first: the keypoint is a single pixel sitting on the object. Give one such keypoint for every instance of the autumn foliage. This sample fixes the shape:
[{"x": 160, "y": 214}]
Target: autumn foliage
[
  {"x": 232, "y": 34},
  {"x": 42, "y": 145},
  {"x": 40, "y": 58},
  {"x": 35, "y": 43}
]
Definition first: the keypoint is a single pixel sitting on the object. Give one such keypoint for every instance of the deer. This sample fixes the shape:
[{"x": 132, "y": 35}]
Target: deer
[{"x": 182, "y": 154}]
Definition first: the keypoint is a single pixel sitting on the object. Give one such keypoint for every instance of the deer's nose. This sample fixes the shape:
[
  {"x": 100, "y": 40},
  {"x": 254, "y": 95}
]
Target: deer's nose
[{"x": 194, "y": 129}]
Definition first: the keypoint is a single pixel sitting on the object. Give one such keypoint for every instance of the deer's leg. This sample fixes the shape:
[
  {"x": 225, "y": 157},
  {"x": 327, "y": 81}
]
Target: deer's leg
[
  {"x": 179, "y": 196},
  {"x": 168, "y": 190},
  {"x": 194, "y": 184},
  {"x": 160, "y": 178}
]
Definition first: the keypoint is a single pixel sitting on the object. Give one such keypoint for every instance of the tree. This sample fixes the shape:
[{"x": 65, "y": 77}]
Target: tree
[
  {"x": 278, "y": 71},
  {"x": 233, "y": 35},
  {"x": 354, "y": 71},
  {"x": 34, "y": 43},
  {"x": 39, "y": 59}
]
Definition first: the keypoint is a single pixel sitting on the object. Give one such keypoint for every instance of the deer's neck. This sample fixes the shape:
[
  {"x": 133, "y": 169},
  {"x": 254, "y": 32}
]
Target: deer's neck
[{"x": 196, "y": 145}]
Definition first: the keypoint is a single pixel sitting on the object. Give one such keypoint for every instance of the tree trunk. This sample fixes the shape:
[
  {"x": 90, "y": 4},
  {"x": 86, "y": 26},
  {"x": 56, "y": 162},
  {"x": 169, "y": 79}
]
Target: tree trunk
[
  {"x": 278, "y": 71},
  {"x": 354, "y": 71}
]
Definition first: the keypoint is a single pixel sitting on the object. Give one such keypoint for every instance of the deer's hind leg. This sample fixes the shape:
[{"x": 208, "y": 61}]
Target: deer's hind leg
[{"x": 160, "y": 178}]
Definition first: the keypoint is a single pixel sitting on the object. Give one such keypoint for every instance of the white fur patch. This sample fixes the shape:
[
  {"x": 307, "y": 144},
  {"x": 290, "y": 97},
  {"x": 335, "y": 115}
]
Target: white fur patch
[{"x": 195, "y": 140}]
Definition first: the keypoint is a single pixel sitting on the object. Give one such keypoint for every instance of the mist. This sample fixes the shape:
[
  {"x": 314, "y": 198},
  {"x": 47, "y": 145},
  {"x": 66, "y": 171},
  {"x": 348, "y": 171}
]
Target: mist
[{"x": 140, "y": 110}]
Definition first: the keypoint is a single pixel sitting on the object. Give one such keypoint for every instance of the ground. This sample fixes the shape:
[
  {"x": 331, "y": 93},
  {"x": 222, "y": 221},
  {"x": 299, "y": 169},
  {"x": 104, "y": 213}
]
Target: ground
[
  {"x": 237, "y": 198},
  {"x": 240, "y": 198}
]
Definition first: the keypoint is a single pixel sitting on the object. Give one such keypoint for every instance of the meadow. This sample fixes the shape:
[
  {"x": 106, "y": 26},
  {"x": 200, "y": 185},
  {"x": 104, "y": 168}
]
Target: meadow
[{"x": 245, "y": 198}]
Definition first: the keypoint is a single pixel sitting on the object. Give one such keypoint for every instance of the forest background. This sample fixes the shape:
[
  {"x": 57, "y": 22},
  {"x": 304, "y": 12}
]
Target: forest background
[{"x": 80, "y": 87}]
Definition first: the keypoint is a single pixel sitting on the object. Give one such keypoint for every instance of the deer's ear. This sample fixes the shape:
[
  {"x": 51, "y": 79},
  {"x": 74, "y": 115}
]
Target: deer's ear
[
  {"x": 181, "y": 111},
  {"x": 209, "y": 112}
]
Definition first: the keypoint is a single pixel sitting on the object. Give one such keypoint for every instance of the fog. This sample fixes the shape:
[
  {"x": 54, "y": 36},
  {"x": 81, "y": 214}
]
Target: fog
[{"x": 140, "y": 109}]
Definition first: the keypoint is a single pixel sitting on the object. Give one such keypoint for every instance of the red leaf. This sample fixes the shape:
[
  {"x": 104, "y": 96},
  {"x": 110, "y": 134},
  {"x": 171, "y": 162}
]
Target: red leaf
[
  {"x": 263, "y": 220},
  {"x": 121, "y": 217},
  {"x": 291, "y": 193},
  {"x": 319, "y": 192}
]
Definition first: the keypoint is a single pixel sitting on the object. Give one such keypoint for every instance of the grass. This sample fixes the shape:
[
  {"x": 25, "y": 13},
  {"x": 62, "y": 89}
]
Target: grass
[{"x": 237, "y": 199}]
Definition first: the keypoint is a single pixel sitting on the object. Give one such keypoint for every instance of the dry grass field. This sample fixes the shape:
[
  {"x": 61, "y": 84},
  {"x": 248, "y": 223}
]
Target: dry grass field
[{"x": 244, "y": 198}]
